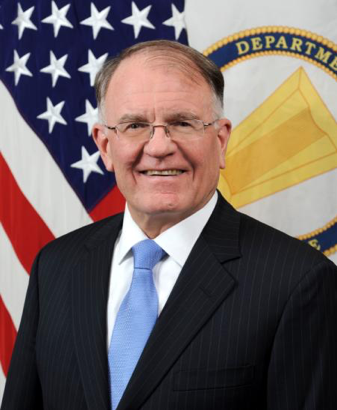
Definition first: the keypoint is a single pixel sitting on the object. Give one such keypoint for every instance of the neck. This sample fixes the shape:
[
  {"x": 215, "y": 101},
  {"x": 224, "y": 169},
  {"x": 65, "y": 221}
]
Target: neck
[{"x": 153, "y": 225}]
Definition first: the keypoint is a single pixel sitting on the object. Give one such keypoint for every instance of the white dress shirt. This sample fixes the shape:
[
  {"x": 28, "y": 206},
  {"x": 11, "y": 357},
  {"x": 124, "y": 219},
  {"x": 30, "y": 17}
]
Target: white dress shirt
[{"x": 176, "y": 241}]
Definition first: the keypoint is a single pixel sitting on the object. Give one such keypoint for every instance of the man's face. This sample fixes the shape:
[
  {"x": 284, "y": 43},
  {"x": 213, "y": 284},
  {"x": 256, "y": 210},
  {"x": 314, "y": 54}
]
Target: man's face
[{"x": 146, "y": 90}]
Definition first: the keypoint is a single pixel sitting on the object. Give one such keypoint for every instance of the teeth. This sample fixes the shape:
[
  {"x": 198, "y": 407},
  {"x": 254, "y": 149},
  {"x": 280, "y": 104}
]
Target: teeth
[{"x": 165, "y": 172}]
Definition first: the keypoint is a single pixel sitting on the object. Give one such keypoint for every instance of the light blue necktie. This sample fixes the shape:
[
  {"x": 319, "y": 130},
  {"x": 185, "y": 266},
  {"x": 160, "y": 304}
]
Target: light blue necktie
[{"x": 135, "y": 319}]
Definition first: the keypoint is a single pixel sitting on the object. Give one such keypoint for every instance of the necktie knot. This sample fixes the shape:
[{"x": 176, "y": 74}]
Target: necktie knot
[{"x": 147, "y": 254}]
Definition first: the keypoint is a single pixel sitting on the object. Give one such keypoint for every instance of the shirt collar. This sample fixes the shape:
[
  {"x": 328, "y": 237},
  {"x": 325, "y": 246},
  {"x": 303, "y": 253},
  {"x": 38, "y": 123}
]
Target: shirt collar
[{"x": 176, "y": 241}]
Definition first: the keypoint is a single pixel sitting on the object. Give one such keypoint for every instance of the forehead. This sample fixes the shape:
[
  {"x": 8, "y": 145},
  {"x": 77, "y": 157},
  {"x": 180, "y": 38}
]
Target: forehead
[{"x": 144, "y": 84}]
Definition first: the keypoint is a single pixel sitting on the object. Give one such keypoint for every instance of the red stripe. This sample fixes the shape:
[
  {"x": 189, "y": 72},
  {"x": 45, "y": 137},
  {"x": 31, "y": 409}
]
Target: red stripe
[
  {"x": 111, "y": 204},
  {"x": 23, "y": 225},
  {"x": 7, "y": 337}
]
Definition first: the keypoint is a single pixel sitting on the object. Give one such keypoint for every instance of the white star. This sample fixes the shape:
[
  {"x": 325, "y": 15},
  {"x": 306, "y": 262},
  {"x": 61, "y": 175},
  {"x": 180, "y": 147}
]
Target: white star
[
  {"x": 176, "y": 21},
  {"x": 90, "y": 117},
  {"x": 56, "y": 68},
  {"x": 19, "y": 67},
  {"x": 52, "y": 115},
  {"x": 97, "y": 20},
  {"x": 58, "y": 18},
  {"x": 138, "y": 19},
  {"x": 23, "y": 20},
  {"x": 93, "y": 66},
  {"x": 1, "y": 25},
  {"x": 88, "y": 164}
]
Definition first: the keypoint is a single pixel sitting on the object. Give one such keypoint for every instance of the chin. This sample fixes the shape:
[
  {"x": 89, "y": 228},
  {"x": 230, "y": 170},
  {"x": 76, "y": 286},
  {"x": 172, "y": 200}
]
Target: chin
[
  {"x": 163, "y": 208},
  {"x": 163, "y": 205}
]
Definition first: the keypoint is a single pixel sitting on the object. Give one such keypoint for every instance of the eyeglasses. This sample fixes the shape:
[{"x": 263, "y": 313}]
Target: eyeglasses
[{"x": 176, "y": 130}]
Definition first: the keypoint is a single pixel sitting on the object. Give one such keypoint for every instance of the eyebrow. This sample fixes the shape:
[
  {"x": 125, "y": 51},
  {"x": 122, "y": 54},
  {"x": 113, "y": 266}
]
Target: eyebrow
[
  {"x": 178, "y": 116},
  {"x": 175, "y": 116},
  {"x": 132, "y": 118}
]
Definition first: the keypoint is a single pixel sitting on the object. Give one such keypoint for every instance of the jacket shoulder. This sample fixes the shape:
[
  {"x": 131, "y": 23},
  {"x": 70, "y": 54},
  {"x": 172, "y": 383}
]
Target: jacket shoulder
[
  {"x": 70, "y": 246},
  {"x": 262, "y": 246},
  {"x": 279, "y": 243}
]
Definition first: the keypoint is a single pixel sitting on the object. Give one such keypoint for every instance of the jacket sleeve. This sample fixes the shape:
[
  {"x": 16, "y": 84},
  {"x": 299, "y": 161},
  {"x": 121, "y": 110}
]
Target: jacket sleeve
[
  {"x": 22, "y": 390},
  {"x": 303, "y": 366}
]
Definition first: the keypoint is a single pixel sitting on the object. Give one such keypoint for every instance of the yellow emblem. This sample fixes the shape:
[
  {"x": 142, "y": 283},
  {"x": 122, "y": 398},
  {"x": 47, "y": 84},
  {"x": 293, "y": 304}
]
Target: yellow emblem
[{"x": 290, "y": 138}]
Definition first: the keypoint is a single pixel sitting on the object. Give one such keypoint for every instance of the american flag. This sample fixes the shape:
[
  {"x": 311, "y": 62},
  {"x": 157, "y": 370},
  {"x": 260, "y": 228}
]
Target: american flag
[{"x": 52, "y": 179}]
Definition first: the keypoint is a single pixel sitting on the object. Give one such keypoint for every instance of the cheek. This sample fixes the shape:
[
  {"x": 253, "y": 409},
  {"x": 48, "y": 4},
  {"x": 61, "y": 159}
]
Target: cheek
[
  {"x": 209, "y": 165},
  {"x": 209, "y": 157},
  {"x": 123, "y": 157}
]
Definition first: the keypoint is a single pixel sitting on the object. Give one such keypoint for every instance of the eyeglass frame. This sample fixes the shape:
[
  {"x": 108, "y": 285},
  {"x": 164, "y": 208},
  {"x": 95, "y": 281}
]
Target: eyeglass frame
[{"x": 152, "y": 127}]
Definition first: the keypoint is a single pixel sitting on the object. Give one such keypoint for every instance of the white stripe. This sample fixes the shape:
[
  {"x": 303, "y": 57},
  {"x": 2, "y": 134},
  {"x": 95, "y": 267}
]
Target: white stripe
[
  {"x": 36, "y": 173},
  {"x": 13, "y": 279},
  {"x": 2, "y": 383}
]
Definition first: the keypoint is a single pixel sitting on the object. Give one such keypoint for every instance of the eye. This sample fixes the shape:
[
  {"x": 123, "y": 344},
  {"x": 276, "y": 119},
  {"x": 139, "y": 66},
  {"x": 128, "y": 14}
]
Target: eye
[
  {"x": 182, "y": 124},
  {"x": 136, "y": 125},
  {"x": 133, "y": 126}
]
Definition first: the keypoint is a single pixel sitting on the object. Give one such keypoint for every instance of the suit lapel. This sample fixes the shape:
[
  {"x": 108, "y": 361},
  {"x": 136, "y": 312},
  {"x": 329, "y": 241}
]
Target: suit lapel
[
  {"x": 90, "y": 284},
  {"x": 202, "y": 286}
]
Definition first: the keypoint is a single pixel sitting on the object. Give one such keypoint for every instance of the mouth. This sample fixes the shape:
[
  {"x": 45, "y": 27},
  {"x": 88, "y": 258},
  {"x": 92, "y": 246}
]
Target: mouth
[{"x": 163, "y": 173}]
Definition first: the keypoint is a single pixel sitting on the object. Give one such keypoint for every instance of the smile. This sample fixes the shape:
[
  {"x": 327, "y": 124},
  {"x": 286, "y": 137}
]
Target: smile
[{"x": 166, "y": 172}]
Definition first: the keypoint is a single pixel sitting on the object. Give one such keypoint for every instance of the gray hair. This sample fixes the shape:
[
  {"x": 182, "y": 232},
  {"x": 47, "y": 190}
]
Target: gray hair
[{"x": 179, "y": 54}]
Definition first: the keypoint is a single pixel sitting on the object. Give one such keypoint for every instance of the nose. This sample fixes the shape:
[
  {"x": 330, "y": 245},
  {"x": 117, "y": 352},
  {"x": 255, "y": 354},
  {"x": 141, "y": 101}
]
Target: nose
[{"x": 160, "y": 143}]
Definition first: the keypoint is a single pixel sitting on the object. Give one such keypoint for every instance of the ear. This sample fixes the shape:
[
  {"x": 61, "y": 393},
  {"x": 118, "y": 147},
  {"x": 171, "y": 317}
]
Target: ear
[
  {"x": 103, "y": 144},
  {"x": 224, "y": 132}
]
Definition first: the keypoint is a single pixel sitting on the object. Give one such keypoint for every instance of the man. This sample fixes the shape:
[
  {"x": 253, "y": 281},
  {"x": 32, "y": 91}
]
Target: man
[{"x": 247, "y": 315}]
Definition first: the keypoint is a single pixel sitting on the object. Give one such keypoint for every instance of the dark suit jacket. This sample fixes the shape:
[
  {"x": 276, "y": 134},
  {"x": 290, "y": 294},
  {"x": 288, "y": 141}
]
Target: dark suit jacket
[{"x": 250, "y": 324}]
